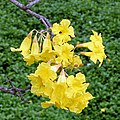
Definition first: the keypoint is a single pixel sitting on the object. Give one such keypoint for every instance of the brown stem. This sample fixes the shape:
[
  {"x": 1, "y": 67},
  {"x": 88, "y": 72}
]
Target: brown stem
[
  {"x": 40, "y": 17},
  {"x": 31, "y": 4},
  {"x": 16, "y": 92}
]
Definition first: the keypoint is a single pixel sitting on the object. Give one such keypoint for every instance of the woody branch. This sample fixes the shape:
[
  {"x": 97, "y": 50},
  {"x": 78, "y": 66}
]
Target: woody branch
[
  {"x": 15, "y": 91},
  {"x": 26, "y": 9}
]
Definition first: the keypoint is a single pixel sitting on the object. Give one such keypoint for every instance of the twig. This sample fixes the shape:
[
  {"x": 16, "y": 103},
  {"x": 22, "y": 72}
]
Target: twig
[
  {"x": 6, "y": 90},
  {"x": 31, "y": 4},
  {"x": 15, "y": 91},
  {"x": 40, "y": 17}
]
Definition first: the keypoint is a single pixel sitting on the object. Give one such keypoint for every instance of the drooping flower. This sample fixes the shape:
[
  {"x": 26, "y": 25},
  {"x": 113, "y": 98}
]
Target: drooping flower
[
  {"x": 96, "y": 47},
  {"x": 25, "y": 45},
  {"x": 35, "y": 53},
  {"x": 63, "y": 32},
  {"x": 47, "y": 53}
]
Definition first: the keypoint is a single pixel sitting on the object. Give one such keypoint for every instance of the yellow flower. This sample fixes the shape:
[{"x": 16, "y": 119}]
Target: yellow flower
[
  {"x": 35, "y": 53},
  {"x": 79, "y": 103},
  {"x": 42, "y": 80},
  {"x": 45, "y": 72},
  {"x": 47, "y": 53},
  {"x": 96, "y": 47},
  {"x": 77, "y": 85},
  {"x": 37, "y": 87},
  {"x": 64, "y": 54},
  {"x": 25, "y": 45},
  {"x": 62, "y": 31},
  {"x": 58, "y": 96},
  {"x": 40, "y": 88}
]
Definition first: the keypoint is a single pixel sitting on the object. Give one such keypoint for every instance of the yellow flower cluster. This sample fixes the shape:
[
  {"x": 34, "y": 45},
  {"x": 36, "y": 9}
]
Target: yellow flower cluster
[
  {"x": 51, "y": 51},
  {"x": 54, "y": 56},
  {"x": 65, "y": 92}
]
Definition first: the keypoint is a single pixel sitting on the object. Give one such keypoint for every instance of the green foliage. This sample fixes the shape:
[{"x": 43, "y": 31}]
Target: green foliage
[{"x": 102, "y": 16}]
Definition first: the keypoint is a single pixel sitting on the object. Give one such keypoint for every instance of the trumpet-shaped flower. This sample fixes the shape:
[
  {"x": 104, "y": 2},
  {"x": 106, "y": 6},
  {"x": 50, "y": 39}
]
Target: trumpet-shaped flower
[
  {"x": 58, "y": 96},
  {"x": 63, "y": 32},
  {"x": 64, "y": 54},
  {"x": 47, "y": 53},
  {"x": 96, "y": 47},
  {"x": 79, "y": 103},
  {"x": 77, "y": 85},
  {"x": 35, "y": 53},
  {"x": 45, "y": 72},
  {"x": 37, "y": 87},
  {"x": 42, "y": 80},
  {"x": 25, "y": 45},
  {"x": 40, "y": 88}
]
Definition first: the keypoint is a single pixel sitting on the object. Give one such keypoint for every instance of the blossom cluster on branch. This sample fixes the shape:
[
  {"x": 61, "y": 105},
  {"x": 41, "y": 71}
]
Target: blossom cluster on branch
[{"x": 54, "y": 55}]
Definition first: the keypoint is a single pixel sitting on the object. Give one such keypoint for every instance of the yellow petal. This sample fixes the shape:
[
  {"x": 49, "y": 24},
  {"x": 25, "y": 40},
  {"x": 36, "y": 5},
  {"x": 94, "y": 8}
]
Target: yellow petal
[
  {"x": 57, "y": 40},
  {"x": 71, "y": 30},
  {"x": 65, "y": 22},
  {"x": 62, "y": 78},
  {"x": 47, "y": 43},
  {"x": 93, "y": 58},
  {"x": 35, "y": 46},
  {"x": 95, "y": 37},
  {"x": 45, "y": 72},
  {"x": 80, "y": 77},
  {"x": 29, "y": 59},
  {"x": 25, "y": 45},
  {"x": 56, "y": 28}
]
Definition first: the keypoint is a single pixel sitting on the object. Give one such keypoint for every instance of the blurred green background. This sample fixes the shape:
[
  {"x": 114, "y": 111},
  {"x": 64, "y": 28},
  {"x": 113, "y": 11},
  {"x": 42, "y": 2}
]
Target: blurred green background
[{"x": 85, "y": 15}]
